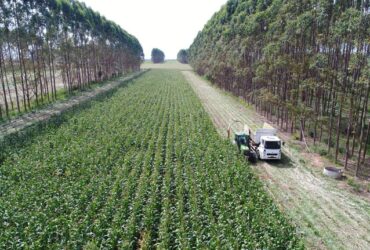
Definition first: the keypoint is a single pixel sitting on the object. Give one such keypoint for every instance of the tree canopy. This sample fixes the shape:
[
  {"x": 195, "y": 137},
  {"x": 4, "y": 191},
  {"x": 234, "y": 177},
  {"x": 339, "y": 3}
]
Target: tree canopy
[
  {"x": 157, "y": 56},
  {"x": 182, "y": 56}
]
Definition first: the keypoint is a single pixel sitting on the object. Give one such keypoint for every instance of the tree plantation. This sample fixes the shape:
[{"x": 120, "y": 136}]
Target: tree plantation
[
  {"x": 45, "y": 45},
  {"x": 304, "y": 64},
  {"x": 257, "y": 136}
]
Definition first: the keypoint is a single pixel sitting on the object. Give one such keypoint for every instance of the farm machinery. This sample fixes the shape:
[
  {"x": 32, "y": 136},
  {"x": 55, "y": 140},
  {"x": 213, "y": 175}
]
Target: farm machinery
[{"x": 264, "y": 144}]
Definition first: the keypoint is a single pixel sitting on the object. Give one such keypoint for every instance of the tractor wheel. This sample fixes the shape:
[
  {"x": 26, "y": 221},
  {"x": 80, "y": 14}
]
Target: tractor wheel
[{"x": 252, "y": 157}]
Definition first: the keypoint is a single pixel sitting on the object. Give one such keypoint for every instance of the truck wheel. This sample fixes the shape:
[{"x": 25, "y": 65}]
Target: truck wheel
[{"x": 258, "y": 155}]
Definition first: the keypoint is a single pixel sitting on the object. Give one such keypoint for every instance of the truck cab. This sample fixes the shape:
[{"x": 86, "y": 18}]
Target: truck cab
[{"x": 269, "y": 148}]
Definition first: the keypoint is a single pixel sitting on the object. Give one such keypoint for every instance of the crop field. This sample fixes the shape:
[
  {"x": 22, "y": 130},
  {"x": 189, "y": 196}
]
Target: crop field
[
  {"x": 169, "y": 64},
  {"x": 144, "y": 168}
]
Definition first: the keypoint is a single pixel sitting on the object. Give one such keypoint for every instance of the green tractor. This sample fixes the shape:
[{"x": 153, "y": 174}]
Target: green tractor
[{"x": 244, "y": 143}]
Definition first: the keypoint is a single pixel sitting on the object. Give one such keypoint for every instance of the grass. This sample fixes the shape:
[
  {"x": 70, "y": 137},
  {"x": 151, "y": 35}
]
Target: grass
[
  {"x": 355, "y": 185},
  {"x": 168, "y": 64},
  {"x": 61, "y": 94},
  {"x": 143, "y": 168}
]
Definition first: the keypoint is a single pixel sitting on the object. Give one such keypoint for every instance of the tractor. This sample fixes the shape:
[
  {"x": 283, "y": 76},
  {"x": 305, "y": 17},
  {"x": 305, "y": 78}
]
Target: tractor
[{"x": 244, "y": 142}]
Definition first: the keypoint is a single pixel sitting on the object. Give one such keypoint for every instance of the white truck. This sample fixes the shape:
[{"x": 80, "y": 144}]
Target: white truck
[{"x": 266, "y": 143}]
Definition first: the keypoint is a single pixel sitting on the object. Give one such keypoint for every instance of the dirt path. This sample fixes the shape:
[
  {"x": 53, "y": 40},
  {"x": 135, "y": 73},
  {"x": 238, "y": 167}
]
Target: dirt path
[
  {"x": 44, "y": 114},
  {"x": 327, "y": 216}
]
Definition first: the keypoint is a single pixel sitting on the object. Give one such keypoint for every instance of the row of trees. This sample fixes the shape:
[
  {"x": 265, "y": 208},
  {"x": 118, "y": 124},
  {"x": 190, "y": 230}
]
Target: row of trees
[
  {"x": 46, "y": 44},
  {"x": 303, "y": 63},
  {"x": 157, "y": 56},
  {"x": 182, "y": 56}
]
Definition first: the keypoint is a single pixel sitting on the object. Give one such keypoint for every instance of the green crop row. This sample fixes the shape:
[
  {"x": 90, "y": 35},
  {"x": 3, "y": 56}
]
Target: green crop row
[{"x": 144, "y": 168}]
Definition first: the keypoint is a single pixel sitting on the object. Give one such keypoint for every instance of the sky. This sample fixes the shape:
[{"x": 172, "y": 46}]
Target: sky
[{"x": 169, "y": 25}]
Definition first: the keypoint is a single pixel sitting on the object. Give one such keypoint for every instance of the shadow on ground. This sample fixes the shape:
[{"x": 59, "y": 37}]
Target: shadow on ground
[{"x": 285, "y": 162}]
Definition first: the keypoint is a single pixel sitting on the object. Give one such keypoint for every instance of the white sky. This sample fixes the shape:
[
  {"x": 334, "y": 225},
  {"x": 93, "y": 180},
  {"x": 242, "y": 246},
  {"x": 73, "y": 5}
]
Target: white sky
[{"x": 169, "y": 25}]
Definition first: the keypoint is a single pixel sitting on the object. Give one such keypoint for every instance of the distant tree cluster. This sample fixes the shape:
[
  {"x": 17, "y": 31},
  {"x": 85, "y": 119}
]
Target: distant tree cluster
[
  {"x": 44, "y": 44},
  {"x": 304, "y": 64},
  {"x": 182, "y": 56},
  {"x": 157, "y": 56}
]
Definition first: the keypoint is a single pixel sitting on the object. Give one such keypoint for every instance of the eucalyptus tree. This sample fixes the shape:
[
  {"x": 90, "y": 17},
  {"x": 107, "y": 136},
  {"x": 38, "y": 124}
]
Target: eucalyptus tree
[
  {"x": 303, "y": 64},
  {"x": 157, "y": 56},
  {"x": 182, "y": 56},
  {"x": 43, "y": 39}
]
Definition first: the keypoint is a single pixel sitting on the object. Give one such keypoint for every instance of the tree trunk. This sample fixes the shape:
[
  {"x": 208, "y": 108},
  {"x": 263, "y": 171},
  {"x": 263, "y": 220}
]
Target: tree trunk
[
  {"x": 7, "y": 82},
  {"x": 3, "y": 88},
  {"x": 14, "y": 78},
  {"x": 366, "y": 141},
  {"x": 331, "y": 123},
  {"x": 349, "y": 130},
  {"x": 35, "y": 78},
  {"x": 338, "y": 126}
]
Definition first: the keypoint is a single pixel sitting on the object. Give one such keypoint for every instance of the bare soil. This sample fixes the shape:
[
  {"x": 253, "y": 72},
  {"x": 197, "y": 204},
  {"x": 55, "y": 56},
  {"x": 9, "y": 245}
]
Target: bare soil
[{"x": 326, "y": 212}]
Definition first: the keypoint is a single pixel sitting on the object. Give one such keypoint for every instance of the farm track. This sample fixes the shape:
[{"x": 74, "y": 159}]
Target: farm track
[
  {"x": 328, "y": 217},
  {"x": 29, "y": 119}
]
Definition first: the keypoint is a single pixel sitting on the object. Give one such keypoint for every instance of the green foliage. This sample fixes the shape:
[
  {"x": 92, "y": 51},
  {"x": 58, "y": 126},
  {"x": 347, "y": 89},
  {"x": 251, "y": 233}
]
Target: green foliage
[
  {"x": 296, "y": 136},
  {"x": 157, "y": 56},
  {"x": 182, "y": 56},
  {"x": 90, "y": 246},
  {"x": 355, "y": 185},
  {"x": 342, "y": 150},
  {"x": 144, "y": 168},
  {"x": 323, "y": 151}
]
